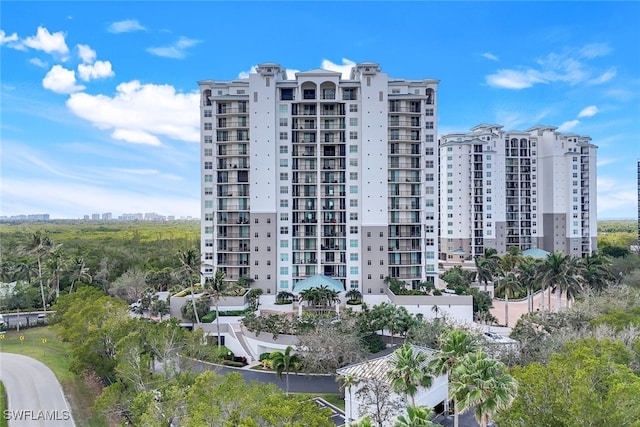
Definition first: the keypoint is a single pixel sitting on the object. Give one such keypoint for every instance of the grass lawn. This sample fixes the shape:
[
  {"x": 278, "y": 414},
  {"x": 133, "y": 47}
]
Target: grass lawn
[
  {"x": 3, "y": 406},
  {"x": 332, "y": 398},
  {"x": 43, "y": 344}
]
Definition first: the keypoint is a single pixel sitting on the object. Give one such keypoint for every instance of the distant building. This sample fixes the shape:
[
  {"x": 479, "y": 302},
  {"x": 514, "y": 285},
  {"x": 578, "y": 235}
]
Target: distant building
[
  {"x": 107, "y": 216},
  {"x": 131, "y": 217},
  {"x": 95, "y": 217},
  {"x": 524, "y": 189}
]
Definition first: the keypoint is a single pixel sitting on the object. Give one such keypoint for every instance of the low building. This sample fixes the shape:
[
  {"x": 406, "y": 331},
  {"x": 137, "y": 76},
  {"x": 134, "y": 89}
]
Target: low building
[{"x": 371, "y": 389}]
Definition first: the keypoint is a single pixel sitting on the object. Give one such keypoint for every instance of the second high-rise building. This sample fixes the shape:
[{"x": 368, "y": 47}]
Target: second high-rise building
[{"x": 320, "y": 175}]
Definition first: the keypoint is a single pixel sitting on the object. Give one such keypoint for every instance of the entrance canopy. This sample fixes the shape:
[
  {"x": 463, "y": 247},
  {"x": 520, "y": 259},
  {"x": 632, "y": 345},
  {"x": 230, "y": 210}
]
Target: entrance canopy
[{"x": 318, "y": 281}]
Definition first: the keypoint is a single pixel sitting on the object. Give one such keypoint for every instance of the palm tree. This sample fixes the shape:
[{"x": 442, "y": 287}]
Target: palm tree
[
  {"x": 408, "y": 372},
  {"x": 284, "y": 362},
  {"x": 417, "y": 416},
  {"x": 596, "y": 271},
  {"x": 528, "y": 272},
  {"x": 353, "y": 295},
  {"x": 79, "y": 271},
  {"x": 557, "y": 274},
  {"x": 510, "y": 285},
  {"x": 454, "y": 345},
  {"x": 190, "y": 261},
  {"x": 283, "y": 296},
  {"x": 39, "y": 246},
  {"x": 56, "y": 264},
  {"x": 216, "y": 287},
  {"x": 348, "y": 382},
  {"x": 481, "y": 382}
]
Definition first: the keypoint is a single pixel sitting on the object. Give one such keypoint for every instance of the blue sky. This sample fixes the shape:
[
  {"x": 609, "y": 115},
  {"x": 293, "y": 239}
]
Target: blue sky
[{"x": 99, "y": 104}]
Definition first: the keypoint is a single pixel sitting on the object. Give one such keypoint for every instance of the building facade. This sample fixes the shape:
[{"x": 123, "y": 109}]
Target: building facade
[
  {"x": 531, "y": 189},
  {"x": 317, "y": 174}
]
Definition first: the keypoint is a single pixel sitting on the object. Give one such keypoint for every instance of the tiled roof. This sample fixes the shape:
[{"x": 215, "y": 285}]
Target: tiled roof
[
  {"x": 376, "y": 369},
  {"x": 535, "y": 253}
]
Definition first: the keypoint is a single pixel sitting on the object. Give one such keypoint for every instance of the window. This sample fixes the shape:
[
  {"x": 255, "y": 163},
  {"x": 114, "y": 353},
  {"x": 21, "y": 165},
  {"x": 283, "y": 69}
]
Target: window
[
  {"x": 429, "y": 125},
  {"x": 353, "y": 135},
  {"x": 353, "y": 175},
  {"x": 208, "y": 126},
  {"x": 283, "y": 121},
  {"x": 353, "y": 243},
  {"x": 353, "y": 162},
  {"x": 208, "y": 152},
  {"x": 284, "y": 190},
  {"x": 353, "y": 189},
  {"x": 381, "y": 248},
  {"x": 349, "y": 94},
  {"x": 353, "y": 230},
  {"x": 284, "y": 271},
  {"x": 353, "y": 108},
  {"x": 353, "y": 216},
  {"x": 284, "y": 243},
  {"x": 208, "y": 139},
  {"x": 284, "y": 176},
  {"x": 428, "y": 164},
  {"x": 284, "y": 203},
  {"x": 284, "y": 149},
  {"x": 208, "y": 191},
  {"x": 284, "y": 163},
  {"x": 284, "y": 217},
  {"x": 286, "y": 94},
  {"x": 284, "y": 230},
  {"x": 353, "y": 203},
  {"x": 353, "y": 257},
  {"x": 208, "y": 204},
  {"x": 353, "y": 121},
  {"x": 353, "y": 149},
  {"x": 429, "y": 111},
  {"x": 353, "y": 270},
  {"x": 208, "y": 178},
  {"x": 208, "y": 165},
  {"x": 284, "y": 136},
  {"x": 309, "y": 94},
  {"x": 207, "y": 113},
  {"x": 284, "y": 108},
  {"x": 429, "y": 151}
]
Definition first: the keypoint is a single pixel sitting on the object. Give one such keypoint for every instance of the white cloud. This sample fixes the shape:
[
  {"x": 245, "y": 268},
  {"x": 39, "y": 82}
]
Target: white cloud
[
  {"x": 4, "y": 38},
  {"x": 38, "y": 62},
  {"x": 490, "y": 56},
  {"x": 61, "y": 80},
  {"x": 345, "y": 68},
  {"x": 604, "y": 162},
  {"x": 178, "y": 50},
  {"x": 513, "y": 79},
  {"x": 566, "y": 126},
  {"x": 616, "y": 197},
  {"x": 126, "y": 26},
  {"x": 135, "y": 137},
  {"x": 589, "y": 111},
  {"x": 568, "y": 67},
  {"x": 98, "y": 70},
  {"x": 245, "y": 74},
  {"x": 595, "y": 50},
  {"x": 87, "y": 54},
  {"x": 47, "y": 42},
  {"x": 141, "y": 114},
  {"x": 604, "y": 77}
]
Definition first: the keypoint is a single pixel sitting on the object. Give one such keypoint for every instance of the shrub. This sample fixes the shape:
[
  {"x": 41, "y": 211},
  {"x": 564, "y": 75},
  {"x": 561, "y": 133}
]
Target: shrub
[
  {"x": 209, "y": 317},
  {"x": 233, "y": 363},
  {"x": 264, "y": 356}
]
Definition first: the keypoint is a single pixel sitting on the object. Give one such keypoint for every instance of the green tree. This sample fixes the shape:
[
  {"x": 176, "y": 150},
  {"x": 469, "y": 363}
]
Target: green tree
[
  {"x": 56, "y": 265},
  {"x": 557, "y": 272},
  {"x": 284, "y": 363},
  {"x": 480, "y": 382},
  {"x": 216, "y": 287},
  {"x": 417, "y": 416},
  {"x": 191, "y": 263},
  {"x": 596, "y": 270},
  {"x": 588, "y": 384},
  {"x": 454, "y": 345},
  {"x": 347, "y": 383},
  {"x": 39, "y": 246},
  {"x": 408, "y": 372},
  {"x": 509, "y": 285},
  {"x": 79, "y": 272}
]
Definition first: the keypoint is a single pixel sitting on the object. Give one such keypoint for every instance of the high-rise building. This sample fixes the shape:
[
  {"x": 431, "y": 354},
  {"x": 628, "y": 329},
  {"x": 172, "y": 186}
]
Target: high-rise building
[
  {"x": 502, "y": 189},
  {"x": 320, "y": 175}
]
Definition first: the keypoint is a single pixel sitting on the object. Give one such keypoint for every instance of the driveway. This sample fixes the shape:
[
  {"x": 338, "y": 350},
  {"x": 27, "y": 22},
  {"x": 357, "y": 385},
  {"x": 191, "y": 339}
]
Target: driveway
[{"x": 34, "y": 395}]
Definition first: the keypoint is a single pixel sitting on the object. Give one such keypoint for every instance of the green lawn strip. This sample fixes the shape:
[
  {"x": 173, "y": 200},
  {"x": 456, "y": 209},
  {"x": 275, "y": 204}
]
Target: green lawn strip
[
  {"x": 3, "y": 406},
  {"x": 43, "y": 344}
]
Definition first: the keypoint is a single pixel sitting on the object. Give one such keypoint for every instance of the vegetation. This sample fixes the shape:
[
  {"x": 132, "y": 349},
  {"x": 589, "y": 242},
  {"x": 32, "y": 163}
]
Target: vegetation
[{"x": 3, "y": 405}]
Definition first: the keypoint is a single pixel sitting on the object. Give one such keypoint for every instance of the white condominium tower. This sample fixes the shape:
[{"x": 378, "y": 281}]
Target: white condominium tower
[
  {"x": 502, "y": 189},
  {"x": 319, "y": 175}
]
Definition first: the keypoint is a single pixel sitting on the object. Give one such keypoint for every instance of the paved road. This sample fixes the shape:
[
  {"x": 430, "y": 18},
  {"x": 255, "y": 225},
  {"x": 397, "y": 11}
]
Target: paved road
[{"x": 35, "y": 397}]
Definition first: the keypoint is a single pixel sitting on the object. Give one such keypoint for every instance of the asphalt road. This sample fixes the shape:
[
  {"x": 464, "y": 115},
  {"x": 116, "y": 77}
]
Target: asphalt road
[{"x": 35, "y": 397}]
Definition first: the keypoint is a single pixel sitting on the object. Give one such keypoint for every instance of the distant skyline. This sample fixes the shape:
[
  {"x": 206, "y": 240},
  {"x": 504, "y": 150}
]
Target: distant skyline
[{"x": 99, "y": 100}]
